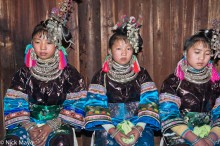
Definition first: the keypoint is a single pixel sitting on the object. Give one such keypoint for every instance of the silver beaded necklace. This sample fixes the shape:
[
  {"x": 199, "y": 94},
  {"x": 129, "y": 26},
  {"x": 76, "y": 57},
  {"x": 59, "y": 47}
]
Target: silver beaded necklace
[
  {"x": 199, "y": 77},
  {"x": 46, "y": 70},
  {"x": 121, "y": 73}
]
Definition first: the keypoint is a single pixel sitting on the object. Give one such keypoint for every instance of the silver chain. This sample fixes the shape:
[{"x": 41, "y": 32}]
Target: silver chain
[
  {"x": 200, "y": 77},
  {"x": 121, "y": 73},
  {"x": 46, "y": 70}
]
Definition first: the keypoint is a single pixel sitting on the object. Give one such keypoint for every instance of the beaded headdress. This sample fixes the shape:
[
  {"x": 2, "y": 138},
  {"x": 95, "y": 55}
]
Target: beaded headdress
[
  {"x": 215, "y": 41},
  {"x": 57, "y": 19},
  {"x": 132, "y": 28}
]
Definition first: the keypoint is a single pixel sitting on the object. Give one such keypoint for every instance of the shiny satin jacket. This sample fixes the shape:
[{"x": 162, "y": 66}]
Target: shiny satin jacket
[
  {"x": 178, "y": 97},
  {"x": 38, "y": 101},
  {"x": 111, "y": 102}
]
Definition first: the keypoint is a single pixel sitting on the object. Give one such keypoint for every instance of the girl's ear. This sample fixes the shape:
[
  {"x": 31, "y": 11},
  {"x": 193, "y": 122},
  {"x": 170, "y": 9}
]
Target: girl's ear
[
  {"x": 109, "y": 51},
  {"x": 184, "y": 53}
]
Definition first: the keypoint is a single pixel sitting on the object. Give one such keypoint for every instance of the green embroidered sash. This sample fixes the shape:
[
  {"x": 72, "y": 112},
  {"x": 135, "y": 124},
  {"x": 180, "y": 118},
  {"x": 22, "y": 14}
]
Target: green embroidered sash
[{"x": 41, "y": 112}]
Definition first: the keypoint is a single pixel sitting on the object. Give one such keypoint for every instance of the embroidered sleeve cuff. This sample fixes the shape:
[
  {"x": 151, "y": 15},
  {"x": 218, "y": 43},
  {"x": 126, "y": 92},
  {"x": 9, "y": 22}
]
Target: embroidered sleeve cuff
[
  {"x": 179, "y": 130},
  {"x": 216, "y": 123},
  {"x": 216, "y": 130},
  {"x": 172, "y": 123}
]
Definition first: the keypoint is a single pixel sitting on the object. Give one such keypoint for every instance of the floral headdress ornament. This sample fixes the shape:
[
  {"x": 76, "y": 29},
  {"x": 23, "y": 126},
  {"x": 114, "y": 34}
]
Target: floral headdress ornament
[
  {"x": 59, "y": 17},
  {"x": 215, "y": 41},
  {"x": 132, "y": 26}
]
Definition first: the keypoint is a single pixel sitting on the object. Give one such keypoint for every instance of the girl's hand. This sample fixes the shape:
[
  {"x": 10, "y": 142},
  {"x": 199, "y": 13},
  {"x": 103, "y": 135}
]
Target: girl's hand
[
  {"x": 41, "y": 138},
  {"x": 192, "y": 137},
  {"x": 208, "y": 142},
  {"x": 34, "y": 132},
  {"x": 136, "y": 132},
  {"x": 202, "y": 142},
  {"x": 118, "y": 137}
]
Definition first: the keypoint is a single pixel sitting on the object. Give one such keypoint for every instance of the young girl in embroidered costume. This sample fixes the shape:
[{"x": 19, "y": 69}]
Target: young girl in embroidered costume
[
  {"x": 190, "y": 98},
  {"x": 122, "y": 100},
  {"x": 45, "y": 97}
]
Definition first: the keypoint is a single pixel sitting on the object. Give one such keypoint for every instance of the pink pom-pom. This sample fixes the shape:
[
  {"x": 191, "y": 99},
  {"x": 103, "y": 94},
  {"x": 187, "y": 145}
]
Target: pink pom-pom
[
  {"x": 215, "y": 76},
  {"x": 105, "y": 67},
  {"x": 33, "y": 63},
  {"x": 63, "y": 62},
  {"x": 28, "y": 61},
  {"x": 136, "y": 67},
  {"x": 179, "y": 72}
]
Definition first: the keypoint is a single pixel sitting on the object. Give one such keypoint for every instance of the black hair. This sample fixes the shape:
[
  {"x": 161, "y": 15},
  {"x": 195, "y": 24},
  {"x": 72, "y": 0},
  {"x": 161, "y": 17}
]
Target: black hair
[
  {"x": 121, "y": 33},
  {"x": 203, "y": 36},
  {"x": 42, "y": 27}
]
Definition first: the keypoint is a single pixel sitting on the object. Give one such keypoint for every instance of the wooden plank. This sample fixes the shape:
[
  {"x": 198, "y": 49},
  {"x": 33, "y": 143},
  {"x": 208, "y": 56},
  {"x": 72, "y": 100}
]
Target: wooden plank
[
  {"x": 73, "y": 25},
  {"x": 89, "y": 41},
  {"x": 161, "y": 10},
  {"x": 123, "y": 8},
  {"x": 188, "y": 18},
  {"x": 106, "y": 24},
  {"x": 146, "y": 56},
  {"x": 201, "y": 15},
  {"x": 176, "y": 44}
]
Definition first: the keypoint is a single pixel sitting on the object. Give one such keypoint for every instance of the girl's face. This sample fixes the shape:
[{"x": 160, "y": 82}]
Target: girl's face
[
  {"x": 198, "y": 55},
  {"x": 121, "y": 52},
  {"x": 42, "y": 47}
]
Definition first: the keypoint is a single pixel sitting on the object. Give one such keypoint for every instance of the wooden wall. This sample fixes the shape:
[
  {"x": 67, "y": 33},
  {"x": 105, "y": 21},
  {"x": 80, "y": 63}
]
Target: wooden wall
[{"x": 166, "y": 24}]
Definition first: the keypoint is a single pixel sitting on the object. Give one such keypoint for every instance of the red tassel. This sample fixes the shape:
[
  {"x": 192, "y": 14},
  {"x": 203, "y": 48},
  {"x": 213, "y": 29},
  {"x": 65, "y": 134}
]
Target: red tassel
[
  {"x": 105, "y": 67},
  {"x": 136, "y": 67},
  {"x": 62, "y": 63},
  {"x": 28, "y": 61}
]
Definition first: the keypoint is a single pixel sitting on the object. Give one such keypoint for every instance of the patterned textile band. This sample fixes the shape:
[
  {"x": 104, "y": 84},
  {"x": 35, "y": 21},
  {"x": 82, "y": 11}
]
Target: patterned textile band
[{"x": 41, "y": 112}]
